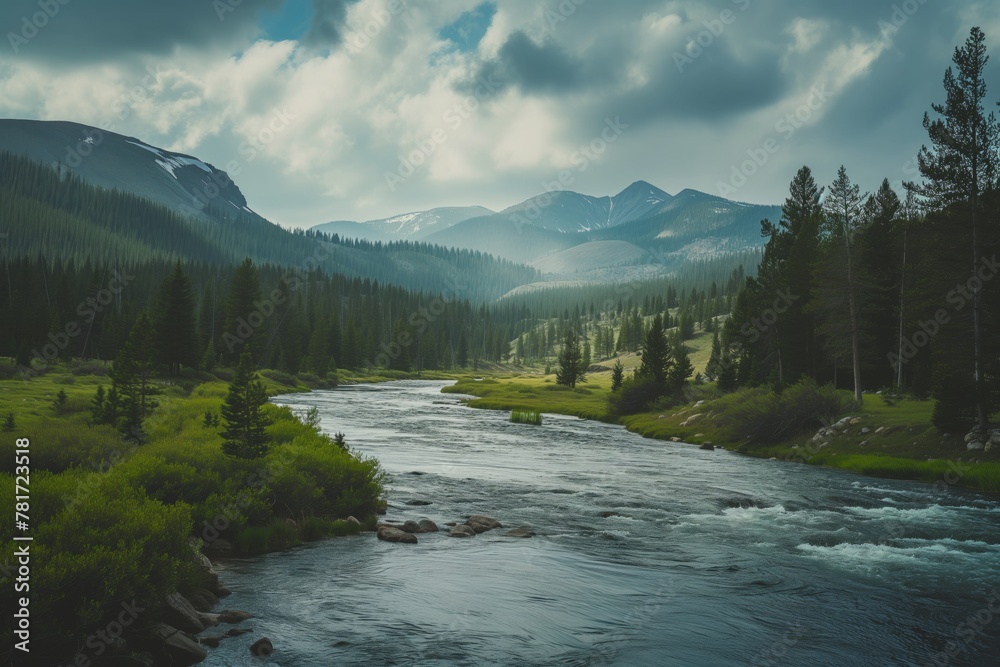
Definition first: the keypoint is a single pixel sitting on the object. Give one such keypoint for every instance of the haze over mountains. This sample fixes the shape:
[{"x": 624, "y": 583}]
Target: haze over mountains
[{"x": 565, "y": 236}]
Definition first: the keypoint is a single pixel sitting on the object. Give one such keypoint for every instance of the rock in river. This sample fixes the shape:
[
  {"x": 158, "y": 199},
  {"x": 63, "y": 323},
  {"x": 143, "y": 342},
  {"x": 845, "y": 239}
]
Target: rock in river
[
  {"x": 521, "y": 531},
  {"x": 481, "y": 524},
  {"x": 392, "y": 534},
  {"x": 462, "y": 530}
]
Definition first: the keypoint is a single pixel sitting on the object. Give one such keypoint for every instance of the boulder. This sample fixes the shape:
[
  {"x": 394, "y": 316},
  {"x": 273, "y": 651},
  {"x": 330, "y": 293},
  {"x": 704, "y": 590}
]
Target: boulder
[
  {"x": 395, "y": 535},
  {"x": 481, "y": 523},
  {"x": 462, "y": 530},
  {"x": 410, "y": 527},
  {"x": 427, "y": 526},
  {"x": 212, "y": 641},
  {"x": 171, "y": 646},
  {"x": 521, "y": 531},
  {"x": 418, "y": 503},
  {"x": 699, "y": 435},
  {"x": 975, "y": 445},
  {"x": 675, "y": 439},
  {"x": 608, "y": 515},
  {"x": 262, "y": 647},
  {"x": 353, "y": 520},
  {"x": 233, "y": 616},
  {"x": 707, "y": 446},
  {"x": 237, "y": 632},
  {"x": 855, "y": 421},
  {"x": 182, "y": 614},
  {"x": 202, "y": 600},
  {"x": 865, "y": 430}
]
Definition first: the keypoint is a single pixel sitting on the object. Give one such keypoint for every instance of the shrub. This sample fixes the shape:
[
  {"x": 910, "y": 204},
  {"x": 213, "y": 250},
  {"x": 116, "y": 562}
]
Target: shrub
[
  {"x": 88, "y": 367},
  {"x": 634, "y": 396},
  {"x": 280, "y": 377},
  {"x": 764, "y": 417},
  {"x": 58, "y": 444}
]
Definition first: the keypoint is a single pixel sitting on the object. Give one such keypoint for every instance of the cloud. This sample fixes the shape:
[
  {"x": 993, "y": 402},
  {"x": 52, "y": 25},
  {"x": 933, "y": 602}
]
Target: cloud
[
  {"x": 364, "y": 88},
  {"x": 100, "y": 30}
]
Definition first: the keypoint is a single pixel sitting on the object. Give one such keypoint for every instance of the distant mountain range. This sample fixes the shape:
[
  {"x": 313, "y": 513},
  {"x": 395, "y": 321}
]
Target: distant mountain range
[
  {"x": 639, "y": 233},
  {"x": 568, "y": 235}
]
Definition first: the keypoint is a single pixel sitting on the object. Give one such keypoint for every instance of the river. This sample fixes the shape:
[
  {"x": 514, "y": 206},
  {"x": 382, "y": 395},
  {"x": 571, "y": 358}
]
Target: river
[{"x": 717, "y": 559}]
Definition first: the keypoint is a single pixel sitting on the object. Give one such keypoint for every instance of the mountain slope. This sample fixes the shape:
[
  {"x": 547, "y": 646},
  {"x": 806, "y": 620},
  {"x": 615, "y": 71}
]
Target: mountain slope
[
  {"x": 182, "y": 183},
  {"x": 413, "y": 226}
]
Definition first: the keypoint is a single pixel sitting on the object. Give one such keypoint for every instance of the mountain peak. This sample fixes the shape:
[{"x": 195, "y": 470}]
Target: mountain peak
[{"x": 645, "y": 186}]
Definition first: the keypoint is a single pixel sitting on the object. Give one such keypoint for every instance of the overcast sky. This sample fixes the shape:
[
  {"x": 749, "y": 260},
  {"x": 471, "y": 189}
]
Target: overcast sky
[{"x": 340, "y": 109}]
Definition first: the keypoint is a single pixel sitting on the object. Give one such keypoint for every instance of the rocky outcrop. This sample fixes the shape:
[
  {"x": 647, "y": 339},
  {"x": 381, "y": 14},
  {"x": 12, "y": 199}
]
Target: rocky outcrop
[
  {"x": 179, "y": 612},
  {"x": 171, "y": 646}
]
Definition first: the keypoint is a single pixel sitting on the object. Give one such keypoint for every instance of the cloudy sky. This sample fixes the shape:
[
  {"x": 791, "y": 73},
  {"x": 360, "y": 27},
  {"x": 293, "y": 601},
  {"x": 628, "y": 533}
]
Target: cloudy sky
[{"x": 360, "y": 109}]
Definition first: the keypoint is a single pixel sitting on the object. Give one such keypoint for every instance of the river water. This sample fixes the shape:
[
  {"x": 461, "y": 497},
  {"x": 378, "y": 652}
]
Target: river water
[{"x": 717, "y": 559}]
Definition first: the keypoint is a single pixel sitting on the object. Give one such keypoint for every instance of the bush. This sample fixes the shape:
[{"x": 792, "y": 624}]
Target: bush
[
  {"x": 280, "y": 377},
  {"x": 634, "y": 396},
  {"x": 764, "y": 417},
  {"x": 57, "y": 445}
]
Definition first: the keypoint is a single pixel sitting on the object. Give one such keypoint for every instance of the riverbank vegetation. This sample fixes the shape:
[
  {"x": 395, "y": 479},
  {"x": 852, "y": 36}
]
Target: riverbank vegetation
[{"x": 116, "y": 519}]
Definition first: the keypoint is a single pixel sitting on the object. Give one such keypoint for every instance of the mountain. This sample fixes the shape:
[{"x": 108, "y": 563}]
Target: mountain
[
  {"x": 412, "y": 226},
  {"x": 180, "y": 182},
  {"x": 569, "y": 212},
  {"x": 127, "y": 203},
  {"x": 657, "y": 230}
]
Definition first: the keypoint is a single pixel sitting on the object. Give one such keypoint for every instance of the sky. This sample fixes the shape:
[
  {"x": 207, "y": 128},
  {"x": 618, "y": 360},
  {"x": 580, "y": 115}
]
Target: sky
[{"x": 361, "y": 109}]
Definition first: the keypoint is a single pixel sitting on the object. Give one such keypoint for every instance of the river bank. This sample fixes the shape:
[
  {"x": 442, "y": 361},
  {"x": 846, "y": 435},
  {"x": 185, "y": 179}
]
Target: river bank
[{"x": 889, "y": 439}]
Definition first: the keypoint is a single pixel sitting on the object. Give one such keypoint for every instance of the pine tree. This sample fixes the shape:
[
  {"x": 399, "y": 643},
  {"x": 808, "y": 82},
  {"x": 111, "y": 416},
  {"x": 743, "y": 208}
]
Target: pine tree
[
  {"x": 462, "y": 357},
  {"x": 132, "y": 377},
  {"x": 98, "y": 406},
  {"x": 9, "y": 423},
  {"x": 617, "y": 376},
  {"x": 59, "y": 405},
  {"x": 176, "y": 329},
  {"x": 656, "y": 360},
  {"x": 959, "y": 167},
  {"x": 571, "y": 369},
  {"x": 681, "y": 367},
  {"x": 244, "y": 435},
  {"x": 715, "y": 358},
  {"x": 243, "y": 319},
  {"x": 843, "y": 216}
]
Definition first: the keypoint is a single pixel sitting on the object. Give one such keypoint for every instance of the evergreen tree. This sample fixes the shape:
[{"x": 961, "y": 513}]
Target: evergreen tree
[
  {"x": 98, "y": 406},
  {"x": 571, "y": 369},
  {"x": 715, "y": 358},
  {"x": 681, "y": 367},
  {"x": 958, "y": 169},
  {"x": 843, "y": 217},
  {"x": 176, "y": 329},
  {"x": 9, "y": 423},
  {"x": 132, "y": 377},
  {"x": 244, "y": 435},
  {"x": 656, "y": 361},
  {"x": 617, "y": 376},
  {"x": 244, "y": 318},
  {"x": 59, "y": 405},
  {"x": 462, "y": 357}
]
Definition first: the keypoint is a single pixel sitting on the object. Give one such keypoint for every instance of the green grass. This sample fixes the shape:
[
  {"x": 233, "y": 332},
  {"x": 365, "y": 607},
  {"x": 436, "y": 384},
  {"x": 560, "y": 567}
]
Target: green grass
[
  {"x": 113, "y": 520},
  {"x": 908, "y": 446},
  {"x": 526, "y": 417}
]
